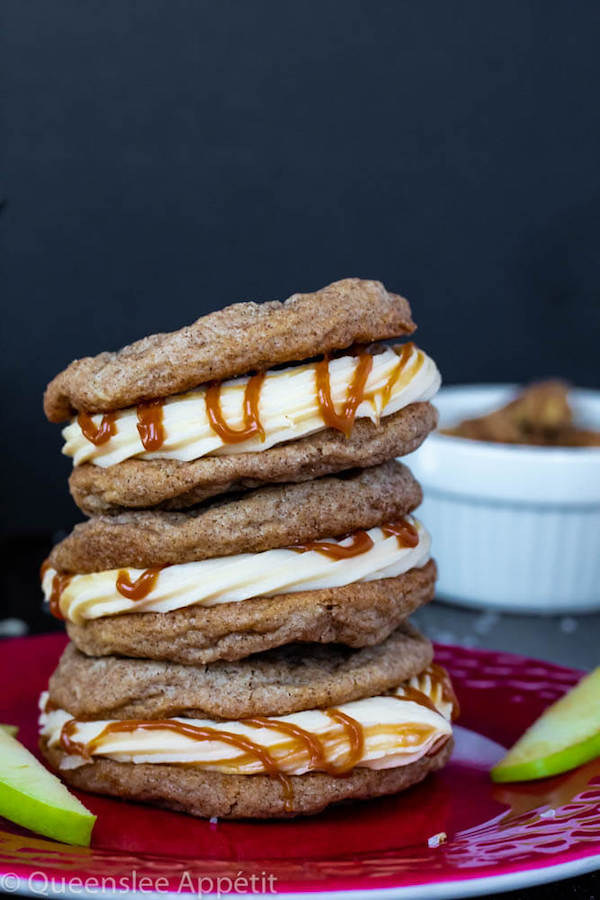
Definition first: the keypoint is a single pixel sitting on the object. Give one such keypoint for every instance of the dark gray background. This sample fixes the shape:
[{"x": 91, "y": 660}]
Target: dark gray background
[
  {"x": 165, "y": 157},
  {"x": 162, "y": 158}
]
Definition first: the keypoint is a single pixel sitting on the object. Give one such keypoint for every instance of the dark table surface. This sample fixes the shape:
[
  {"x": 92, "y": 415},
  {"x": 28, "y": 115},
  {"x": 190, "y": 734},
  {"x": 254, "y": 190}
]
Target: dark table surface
[{"x": 568, "y": 640}]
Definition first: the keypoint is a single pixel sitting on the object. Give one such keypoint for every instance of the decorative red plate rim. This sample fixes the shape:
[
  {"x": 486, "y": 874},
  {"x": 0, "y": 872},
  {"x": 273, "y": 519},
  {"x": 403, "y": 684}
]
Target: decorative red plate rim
[{"x": 498, "y": 837}]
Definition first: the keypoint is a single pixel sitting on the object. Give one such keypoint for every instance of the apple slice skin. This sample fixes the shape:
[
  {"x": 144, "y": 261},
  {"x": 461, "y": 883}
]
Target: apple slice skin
[
  {"x": 553, "y": 764},
  {"x": 63, "y": 825},
  {"x": 565, "y": 736},
  {"x": 35, "y": 798},
  {"x": 10, "y": 729}
]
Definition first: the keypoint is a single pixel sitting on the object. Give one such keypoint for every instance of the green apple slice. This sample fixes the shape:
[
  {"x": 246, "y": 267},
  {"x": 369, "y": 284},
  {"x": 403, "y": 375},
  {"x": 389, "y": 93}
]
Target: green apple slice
[
  {"x": 566, "y": 735},
  {"x": 33, "y": 797},
  {"x": 10, "y": 729}
]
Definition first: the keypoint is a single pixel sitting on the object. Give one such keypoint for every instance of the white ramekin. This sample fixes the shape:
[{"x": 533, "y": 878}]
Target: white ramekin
[{"x": 514, "y": 527}]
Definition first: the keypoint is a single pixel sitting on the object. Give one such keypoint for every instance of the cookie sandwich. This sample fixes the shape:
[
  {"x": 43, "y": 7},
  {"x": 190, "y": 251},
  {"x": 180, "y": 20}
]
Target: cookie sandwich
[
  {"x": 278, "y": 734},
  {"x": 334, "y": 560},
  {"x": 215, "y": 407}
]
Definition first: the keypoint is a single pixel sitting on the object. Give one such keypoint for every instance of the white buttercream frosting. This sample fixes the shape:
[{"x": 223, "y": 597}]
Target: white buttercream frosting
[
  {"x": 395, "y": 731},
  {"x": 288, "y": 409},
  {"x": 231, "y": 579}
]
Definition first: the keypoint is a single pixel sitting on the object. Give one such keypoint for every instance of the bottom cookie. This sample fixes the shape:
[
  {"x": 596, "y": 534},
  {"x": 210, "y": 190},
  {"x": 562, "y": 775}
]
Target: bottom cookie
[{"x": 208, "y": 794}]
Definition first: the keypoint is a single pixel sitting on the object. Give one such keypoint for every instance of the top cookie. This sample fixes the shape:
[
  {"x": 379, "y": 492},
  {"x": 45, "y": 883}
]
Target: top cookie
[{"x": 232, "y": 341}]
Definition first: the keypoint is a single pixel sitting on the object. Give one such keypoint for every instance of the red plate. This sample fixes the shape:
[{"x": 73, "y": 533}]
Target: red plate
[{"x": 498, "y": 837}]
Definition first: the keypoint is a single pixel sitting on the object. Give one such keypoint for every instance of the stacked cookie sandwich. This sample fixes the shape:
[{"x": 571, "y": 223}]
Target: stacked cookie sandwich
[{"x": 237, "y": 601}]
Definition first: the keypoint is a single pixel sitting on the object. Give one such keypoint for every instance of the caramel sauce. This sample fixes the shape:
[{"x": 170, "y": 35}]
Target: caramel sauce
[
  {"x": 195, "y": 732},
  {"x": 410, "y": 734},
  {"x": 343, "y": 421},
  {"x": 404, "y": 355},
  {"x": 416, "y": 696},
  {"x": 252, "y": 424},
  {"x": 250, "y": 748},
  {"x": 59, "y": 583},
  {"x": 404, "y": 531},
  {"x": 150, "y": 424},
  {"x": 361, "y": 543},
  {"x": 141, "y": 587},
  {"x": 150, "y": 415},
  {"x": 312, "y": 744},
  {"x": 97, "y": 434},
  {"x": 356, "y": 739},
  {"x": 440, "y": 677},
  {"x": 440, "y": 681}
]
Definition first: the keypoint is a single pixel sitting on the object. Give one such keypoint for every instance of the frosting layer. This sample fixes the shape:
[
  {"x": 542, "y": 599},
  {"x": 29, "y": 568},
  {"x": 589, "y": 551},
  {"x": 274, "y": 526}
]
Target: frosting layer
[
  {"x": 231, "y": 579},
  {"x": 377, "y": 733},
  {"x": 285, "y": 406}
]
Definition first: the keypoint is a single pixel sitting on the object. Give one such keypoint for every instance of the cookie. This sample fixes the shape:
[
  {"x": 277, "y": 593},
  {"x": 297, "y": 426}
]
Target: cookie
[
  {"x": 358, "y": 615},
  {"x": 278, "y": 682},
  {"x": 270, "y": 517},
  {"x": 233, "y": 341},
  {"x": 171, "y": 484},
  {"x": 198, "y": 792}
]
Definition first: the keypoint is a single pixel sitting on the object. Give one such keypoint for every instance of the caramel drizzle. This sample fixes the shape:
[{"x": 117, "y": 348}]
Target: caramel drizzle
[
  {"x": 252, "y": 424},
  {"x": 97, "y": 434},
  {"x": 404, "y": 355},
  {"x": 440, "y": 680},
  {"x": 313, "y": 746},
  {"x": 309, "y": 742},
  {"x": 405, "y": 532},
  {"x": 195, "y": 732},
  {"x": 59, "y": 584},
  {"x": 141, "y": 587},
  {"x": 361, "y": 543},
  {"x": 150, "y": 415},
  {"x": 356, "y": 739},
  {"x": 150, "y": 424},
  {"x": 439, "y": 676},
  {"x": 416, "y": 696},
  {"x": 343, "y": 421}
]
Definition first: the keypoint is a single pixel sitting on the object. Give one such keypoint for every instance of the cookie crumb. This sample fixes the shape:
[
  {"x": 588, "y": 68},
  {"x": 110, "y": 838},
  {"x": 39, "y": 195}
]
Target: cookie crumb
[{"x": 436, "y": 839}]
